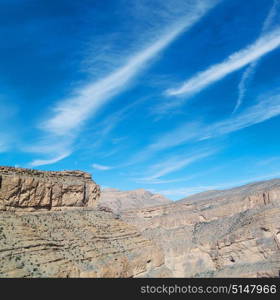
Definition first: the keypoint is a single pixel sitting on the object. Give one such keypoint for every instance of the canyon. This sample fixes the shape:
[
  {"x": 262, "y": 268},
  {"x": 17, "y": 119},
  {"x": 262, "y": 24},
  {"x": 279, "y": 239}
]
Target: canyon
[
  {"x": 59, "y": 224},
  {"x": 231, "y": 233},
  {"x": 51, "y": 226}
]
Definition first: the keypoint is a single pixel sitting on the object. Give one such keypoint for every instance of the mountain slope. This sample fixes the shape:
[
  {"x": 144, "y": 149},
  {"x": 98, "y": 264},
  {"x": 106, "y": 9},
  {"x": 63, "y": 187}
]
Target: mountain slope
[
  {"x": 231, "y": 233},
  {"x": 50, "y": 227},
  {"x": 119, "y": 201}
]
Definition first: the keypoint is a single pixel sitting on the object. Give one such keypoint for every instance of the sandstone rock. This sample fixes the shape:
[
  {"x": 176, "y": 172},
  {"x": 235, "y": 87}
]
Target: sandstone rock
[
  {"x": 31, "y": 189},
  {"x": 120, "y": 201},
  {"x": 76, "y": 243},
  {"x": 79, "y": 241},
  {"x": 231, "y": 233}
]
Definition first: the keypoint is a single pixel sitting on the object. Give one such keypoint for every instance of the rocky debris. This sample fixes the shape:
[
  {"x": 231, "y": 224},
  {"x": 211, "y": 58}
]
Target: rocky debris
[
  {"x": 120, "y": 201},
  {"x": 104, "y": 208},
  {"x": 75, "y": 243},
  {"x": 26, "y": 189},
  {"x": 231, "y": 233}
]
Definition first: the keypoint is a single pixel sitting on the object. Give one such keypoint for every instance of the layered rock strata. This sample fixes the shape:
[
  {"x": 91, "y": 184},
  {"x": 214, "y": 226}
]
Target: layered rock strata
[
  {"x": 233, "y": 233},
  {"x": 75, "y": 243},
  {"x": 50, "y": 226},
  {"x": 25, "y": 189}
]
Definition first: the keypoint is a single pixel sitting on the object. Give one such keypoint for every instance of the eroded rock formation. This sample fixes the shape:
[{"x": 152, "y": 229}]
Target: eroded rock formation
[
  {"x": 52, "y": 226},
  {"x": 75, "y": 243},
  {"x": 78, "y": 242},
  {"x": 233, "y": 233},
  {"x": 27, "y": 189}
]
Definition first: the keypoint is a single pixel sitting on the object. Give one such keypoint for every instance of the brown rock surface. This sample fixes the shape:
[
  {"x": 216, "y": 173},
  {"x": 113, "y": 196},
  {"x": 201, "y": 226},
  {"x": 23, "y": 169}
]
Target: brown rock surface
[
  {"x": 81, "y": 242},
  {"x": 119, "y": 201},
  {"x": 232, "y": 233},
  {"x": 27, "y": 189},
  {"x": 76, "y": 243}
]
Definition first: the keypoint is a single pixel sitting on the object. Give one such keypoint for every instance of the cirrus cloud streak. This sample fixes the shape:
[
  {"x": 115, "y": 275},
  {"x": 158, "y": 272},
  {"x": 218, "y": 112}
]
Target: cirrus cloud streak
[{"x": 234, "y": 62}]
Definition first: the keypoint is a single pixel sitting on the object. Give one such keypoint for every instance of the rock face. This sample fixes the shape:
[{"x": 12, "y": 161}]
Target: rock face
[
  {"x": 51, "y": 225},
  {"x": 75, "y": 243},
  {"x": 32, "y": 190},
  {"x": 119, "y": 201},
  {"x": 80, "y": 240},
  {"x": 232, "y": 233}
]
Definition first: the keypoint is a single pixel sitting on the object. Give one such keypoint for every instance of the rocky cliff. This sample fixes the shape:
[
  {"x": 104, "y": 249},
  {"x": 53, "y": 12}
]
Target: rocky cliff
[
  {"x": 51, "y": 225},
  {"x": 119, "y": 201},
  {"x": 76, "y": 243},
  {"x": 38, "y": 241},
  {"x": 232, "y": 233},
  {"x": 27, "y": 189}
]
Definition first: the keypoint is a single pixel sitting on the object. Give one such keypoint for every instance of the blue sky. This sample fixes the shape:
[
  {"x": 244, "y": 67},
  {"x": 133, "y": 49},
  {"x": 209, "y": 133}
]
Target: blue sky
[{"x": 174, "y": 96}]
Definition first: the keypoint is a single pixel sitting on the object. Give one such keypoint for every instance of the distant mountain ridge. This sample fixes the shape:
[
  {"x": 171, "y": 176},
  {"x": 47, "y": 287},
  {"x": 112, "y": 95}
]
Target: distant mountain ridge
[
  {"x": 227, "y": 233},
  {"x": 119, "y": 201},
  {"x": 241, "y": 191},
  {"x": 56, "y": 222}
]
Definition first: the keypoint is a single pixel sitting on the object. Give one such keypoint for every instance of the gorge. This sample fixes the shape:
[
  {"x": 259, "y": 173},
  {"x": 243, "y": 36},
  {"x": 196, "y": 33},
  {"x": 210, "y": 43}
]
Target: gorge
[{"x": 59, "y": 224}]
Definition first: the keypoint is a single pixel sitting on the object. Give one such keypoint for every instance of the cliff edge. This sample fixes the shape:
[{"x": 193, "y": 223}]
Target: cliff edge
[
  {"x": 50, "y": 226},
  {"x": 26, "y": 189}
]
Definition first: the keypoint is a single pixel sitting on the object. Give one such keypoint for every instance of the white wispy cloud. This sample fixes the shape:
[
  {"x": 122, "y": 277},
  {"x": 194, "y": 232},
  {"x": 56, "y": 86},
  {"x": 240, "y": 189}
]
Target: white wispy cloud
[
  {"x": 267, "y": 108},
  {"x": 6, "y": 140},
  {"x": 236, "y": 61},
  {"x": 52, "y": 148},
  {"x": 258, "y": 113},
  {"x": 108, "y": 124},
  {"x": 101, "y": 167},
  {"x": 42, "y": 162},
  {"x": 70, "y": 114},
  {"x": 242, "y": 86},
  {"x": 3, "y": 146},
  {"x": 147, "y": 180},
  {"x": 249, "y": 72},
  {"x": 275, "y": 160},
  {"x": 173, "y": 164},
  {"x": 200, "y": 174},
  {"x": 179, "y": 193}
]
